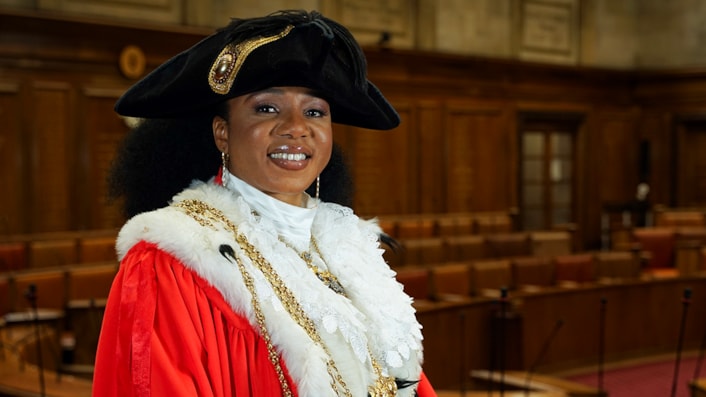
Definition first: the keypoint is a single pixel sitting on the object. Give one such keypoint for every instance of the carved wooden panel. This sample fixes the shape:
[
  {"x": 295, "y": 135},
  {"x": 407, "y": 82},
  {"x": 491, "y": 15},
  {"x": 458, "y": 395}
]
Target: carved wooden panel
[
  {"x": 654, "y": 128},
  {"x": 609, "y": 167},
  {"x": 53, "y": 157},
  {"x": 615, "y": 157},
  {"x": 430, "y": 158},
  {"x": 690, "y": 175},
  {"x": 12, "y": 162},
  {"x": 103, "y": 131},
  {"x": 480, "y": 158},
  {"x": 379, "y": 161}
]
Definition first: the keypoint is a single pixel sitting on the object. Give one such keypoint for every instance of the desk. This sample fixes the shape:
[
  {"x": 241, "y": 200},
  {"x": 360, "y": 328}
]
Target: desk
[
  {"x": 29, "y": 316},
  {"x": 537, "y": 383},
  {"x": 642, "y": 318}
]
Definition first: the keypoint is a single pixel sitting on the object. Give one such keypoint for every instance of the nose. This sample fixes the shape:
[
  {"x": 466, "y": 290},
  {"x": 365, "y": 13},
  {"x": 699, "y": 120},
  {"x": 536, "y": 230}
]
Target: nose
[{"x": 294, "y": 125}]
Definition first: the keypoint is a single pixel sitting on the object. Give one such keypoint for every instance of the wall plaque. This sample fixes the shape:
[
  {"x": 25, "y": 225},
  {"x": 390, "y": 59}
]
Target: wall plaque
[{"x": 548, "y": 30}]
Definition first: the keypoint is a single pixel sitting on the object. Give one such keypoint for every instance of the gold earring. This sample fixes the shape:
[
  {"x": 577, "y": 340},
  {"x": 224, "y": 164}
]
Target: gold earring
[
  {"x": 225, "y": 158},
  {"x": 318, "y": 185}
]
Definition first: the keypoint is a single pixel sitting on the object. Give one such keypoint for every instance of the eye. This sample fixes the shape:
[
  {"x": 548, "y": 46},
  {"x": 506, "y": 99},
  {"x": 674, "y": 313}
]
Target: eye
[
  {"x": 265, "y": 109},
  {"x": 316, "y": 113}
]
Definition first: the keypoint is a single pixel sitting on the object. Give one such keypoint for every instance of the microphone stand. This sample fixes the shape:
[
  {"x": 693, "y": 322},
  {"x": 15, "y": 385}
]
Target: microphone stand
[
  {"x": 601, "y": 345},
  {"x": 462, "y": 317},
  {"x": 501, "y": 350},
  {"x": 31, "y": 296},
  {"x": 685, "y": 304}
]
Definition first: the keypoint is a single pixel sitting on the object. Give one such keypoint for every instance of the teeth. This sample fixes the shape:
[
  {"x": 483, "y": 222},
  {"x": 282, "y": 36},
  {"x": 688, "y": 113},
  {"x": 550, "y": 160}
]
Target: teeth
[{"x": 288, "y": 156}]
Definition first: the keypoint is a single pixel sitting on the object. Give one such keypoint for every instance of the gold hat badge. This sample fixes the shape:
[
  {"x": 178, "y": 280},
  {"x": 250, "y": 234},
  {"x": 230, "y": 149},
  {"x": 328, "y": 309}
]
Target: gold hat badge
[{"x": 233, "y": 56}]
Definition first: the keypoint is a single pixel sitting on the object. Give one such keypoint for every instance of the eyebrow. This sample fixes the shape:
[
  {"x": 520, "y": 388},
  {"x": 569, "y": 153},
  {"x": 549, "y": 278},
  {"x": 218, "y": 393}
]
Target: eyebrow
[{"x": 279, "y": 90}]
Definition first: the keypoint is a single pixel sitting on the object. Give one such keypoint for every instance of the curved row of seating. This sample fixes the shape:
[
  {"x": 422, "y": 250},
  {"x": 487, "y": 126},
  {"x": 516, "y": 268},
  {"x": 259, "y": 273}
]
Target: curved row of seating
[
  {"x": 435, "y": 250},
  {"x": 488, "y": 277},
  {"x": 47, "y": 250},
  {"x": 447, "y": 224}
]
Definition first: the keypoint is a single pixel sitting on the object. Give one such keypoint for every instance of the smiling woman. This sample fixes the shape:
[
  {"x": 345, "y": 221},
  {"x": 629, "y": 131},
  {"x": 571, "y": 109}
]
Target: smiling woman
[
  {"x": 277, "y": 140},
  {"x": 233, "y": 279}
]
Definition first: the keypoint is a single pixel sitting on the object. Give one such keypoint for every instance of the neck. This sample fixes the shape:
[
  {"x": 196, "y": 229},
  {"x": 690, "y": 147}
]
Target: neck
[{"x": 292, "y": 219}]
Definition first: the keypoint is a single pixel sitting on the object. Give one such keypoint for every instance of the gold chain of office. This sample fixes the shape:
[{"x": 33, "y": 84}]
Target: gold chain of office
[{"x": 206, "y": 216}]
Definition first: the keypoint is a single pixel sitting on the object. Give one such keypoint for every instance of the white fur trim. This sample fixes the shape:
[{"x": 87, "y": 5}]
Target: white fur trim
[{"x": 377, "y": 314}]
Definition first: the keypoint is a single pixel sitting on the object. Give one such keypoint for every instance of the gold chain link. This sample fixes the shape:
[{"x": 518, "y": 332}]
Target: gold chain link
[{"x": 205, "y": 215}]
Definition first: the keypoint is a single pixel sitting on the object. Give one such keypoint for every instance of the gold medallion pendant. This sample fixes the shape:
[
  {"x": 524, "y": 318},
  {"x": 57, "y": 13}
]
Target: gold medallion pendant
[{"x": 384, "y": 386}]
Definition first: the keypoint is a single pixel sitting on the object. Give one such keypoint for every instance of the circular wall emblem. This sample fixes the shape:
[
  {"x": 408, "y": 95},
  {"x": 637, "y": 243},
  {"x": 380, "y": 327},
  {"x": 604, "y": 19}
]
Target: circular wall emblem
[{"x": 132, "y": 62}]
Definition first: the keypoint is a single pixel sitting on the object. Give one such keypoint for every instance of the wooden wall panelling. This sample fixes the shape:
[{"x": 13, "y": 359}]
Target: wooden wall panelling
[
  {"x": 431, "y": 157},
  {"x": 53, "y": 156},
  {"x": 13, "y": 161},
  {"x": 654, "y": 128},
  {"x": 472, "y": 94},
  {"x": 380, "y": 162},
  {"x": 689, "y": 146},
  {"x": 53, "y": 58},
  {"x": 618, "y": 149},
  {"x": 609, "y": 169},
  {"x": 589, "y": 180},
  {"x": 102, "y": 133},
  {"x": 481, "y": 159},
  {"x": 667, "y": 98}
]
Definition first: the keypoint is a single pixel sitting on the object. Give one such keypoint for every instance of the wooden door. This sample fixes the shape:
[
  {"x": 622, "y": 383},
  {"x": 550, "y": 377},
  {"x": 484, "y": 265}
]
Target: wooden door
[{"x": 690, "y": 164}]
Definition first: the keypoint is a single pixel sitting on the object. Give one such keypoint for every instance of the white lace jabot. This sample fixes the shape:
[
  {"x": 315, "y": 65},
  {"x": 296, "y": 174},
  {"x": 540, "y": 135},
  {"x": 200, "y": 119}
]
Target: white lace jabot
[{"x": 293, "y": 223}]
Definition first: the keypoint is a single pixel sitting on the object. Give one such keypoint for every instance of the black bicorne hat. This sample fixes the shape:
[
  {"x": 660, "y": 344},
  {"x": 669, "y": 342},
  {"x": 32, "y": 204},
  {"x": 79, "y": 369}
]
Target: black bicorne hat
[{"x": 288, "y": 48}]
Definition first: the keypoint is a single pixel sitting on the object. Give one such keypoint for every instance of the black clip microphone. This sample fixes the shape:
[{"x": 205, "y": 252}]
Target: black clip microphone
[
  {"x": 686, "y": 300},
  {"x": 542, "y": 353}
]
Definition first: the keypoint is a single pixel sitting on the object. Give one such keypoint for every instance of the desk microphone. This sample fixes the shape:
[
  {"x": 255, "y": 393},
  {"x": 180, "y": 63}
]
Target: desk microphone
[
  {"x": 686, "y": 300},
  {"x": 542, "y": 353},
  {"x": 31, "y": 295}
]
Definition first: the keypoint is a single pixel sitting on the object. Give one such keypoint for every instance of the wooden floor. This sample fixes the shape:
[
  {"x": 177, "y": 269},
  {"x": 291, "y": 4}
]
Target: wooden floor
[{"x": 23, "y": 381}]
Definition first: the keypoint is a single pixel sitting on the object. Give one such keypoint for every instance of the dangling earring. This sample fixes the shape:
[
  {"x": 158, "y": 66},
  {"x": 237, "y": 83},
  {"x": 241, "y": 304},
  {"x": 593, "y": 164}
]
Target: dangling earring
[
  {"x": 225, "y": 158},
  {"x": 318, "y": 185}
]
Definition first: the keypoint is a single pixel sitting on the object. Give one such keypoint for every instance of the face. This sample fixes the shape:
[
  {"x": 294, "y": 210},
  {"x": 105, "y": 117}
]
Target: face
[{"x": 279, "y": 140}]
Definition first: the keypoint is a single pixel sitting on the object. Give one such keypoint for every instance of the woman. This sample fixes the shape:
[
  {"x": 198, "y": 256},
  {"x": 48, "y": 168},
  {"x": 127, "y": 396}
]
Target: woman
[{"x": 242, "y": 284}]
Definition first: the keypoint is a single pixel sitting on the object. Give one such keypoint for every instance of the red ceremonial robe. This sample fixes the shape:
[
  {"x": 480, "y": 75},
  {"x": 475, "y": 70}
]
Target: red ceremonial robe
[{"x": 167, "y": 332}]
